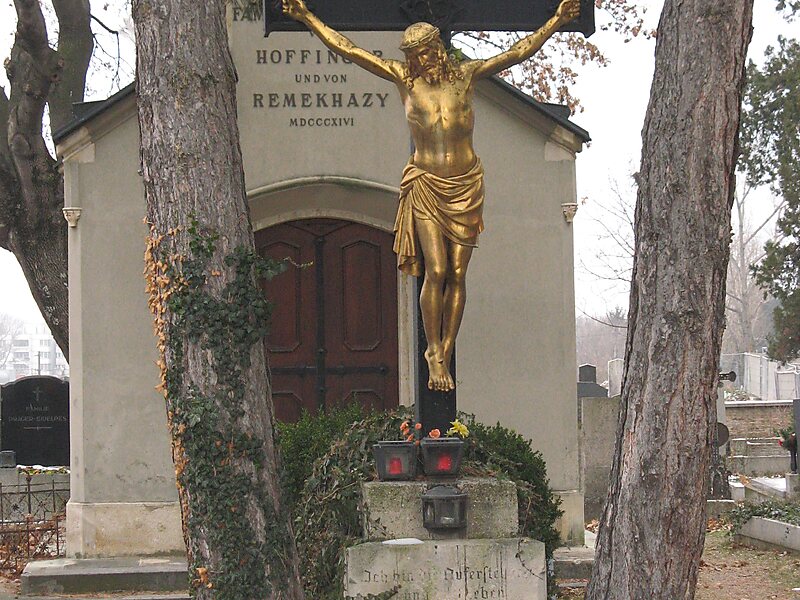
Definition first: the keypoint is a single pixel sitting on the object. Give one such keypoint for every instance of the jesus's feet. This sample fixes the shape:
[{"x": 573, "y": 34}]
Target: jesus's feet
[{"x": 439, "y": 375}]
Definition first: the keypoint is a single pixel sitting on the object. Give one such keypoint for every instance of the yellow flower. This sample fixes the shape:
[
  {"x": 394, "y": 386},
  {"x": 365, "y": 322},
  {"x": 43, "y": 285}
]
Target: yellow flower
[{"x": 458, "y": 428}]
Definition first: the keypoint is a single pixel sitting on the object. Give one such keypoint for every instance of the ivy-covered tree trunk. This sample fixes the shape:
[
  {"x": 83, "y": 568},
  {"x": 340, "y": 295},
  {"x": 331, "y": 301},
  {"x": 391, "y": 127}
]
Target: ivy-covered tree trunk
[
  {"x": 653, "y": 526},
  {"x": 203, "y": 276}
]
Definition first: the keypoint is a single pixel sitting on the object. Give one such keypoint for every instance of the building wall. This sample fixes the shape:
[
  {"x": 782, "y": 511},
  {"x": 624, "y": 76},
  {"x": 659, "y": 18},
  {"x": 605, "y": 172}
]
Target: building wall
[
  {"x": 32, "y": 351},
  {"x": 757, "y": 419}
]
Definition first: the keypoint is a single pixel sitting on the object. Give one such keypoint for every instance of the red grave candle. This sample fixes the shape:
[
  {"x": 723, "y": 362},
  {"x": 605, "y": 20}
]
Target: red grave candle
[
  {"x": 444, "y": 463},
  {"x": 395, "y": 465}
]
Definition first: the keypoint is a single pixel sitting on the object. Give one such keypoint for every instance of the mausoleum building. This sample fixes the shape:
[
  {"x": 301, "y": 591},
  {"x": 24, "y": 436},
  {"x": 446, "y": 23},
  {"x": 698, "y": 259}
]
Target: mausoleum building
[{"x": 324, "y": 145}]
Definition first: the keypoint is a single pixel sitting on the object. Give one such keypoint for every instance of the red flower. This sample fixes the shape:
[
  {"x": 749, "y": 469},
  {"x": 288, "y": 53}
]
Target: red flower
[
  {"x": 435, "y": 433},
  {"x": 418, "y": 426}
]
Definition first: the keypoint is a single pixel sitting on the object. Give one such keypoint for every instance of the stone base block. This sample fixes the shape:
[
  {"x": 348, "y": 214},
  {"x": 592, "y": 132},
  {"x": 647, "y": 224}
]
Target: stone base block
[
  {"x": 717, "y": 508},
  {"x": 769, "y": 533},
  {"x": 571, "y": 526},
  {"x": 394, "y": 509},
  {"x": 81, "y": 576},
  {"x": 511, "y": 569},
  {"x": 793, "y": 486},
  {"x": 98, "y": 530}
]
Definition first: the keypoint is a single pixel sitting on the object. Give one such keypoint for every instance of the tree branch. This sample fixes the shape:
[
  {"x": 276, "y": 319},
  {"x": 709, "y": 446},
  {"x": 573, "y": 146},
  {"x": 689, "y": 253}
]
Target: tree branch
[
  {"x": 75, "y": 46},
  {"x": 32, "y": 69},
  {"x": 10, "y": 196}
]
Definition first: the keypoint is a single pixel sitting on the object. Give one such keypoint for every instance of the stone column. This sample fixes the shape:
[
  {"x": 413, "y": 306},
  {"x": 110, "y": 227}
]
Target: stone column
[{"x": 123, "y": 498}]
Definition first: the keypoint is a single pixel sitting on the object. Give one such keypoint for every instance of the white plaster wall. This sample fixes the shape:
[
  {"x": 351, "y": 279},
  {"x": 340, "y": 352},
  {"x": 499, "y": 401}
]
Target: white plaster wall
[
  {"x": 516, "y": 347},
  {"x": 120, "y": 450}
]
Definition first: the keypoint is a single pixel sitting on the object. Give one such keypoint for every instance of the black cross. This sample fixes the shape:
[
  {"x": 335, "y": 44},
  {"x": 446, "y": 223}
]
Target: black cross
[{"x": 448, "y": 15}]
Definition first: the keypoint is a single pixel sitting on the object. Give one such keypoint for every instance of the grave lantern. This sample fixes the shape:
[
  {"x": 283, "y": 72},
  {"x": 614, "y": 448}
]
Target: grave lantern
[
  {"x": 395, "y": 460},
  {"x": 444, "y": 507},
  {"x": 442, "y": 456}
]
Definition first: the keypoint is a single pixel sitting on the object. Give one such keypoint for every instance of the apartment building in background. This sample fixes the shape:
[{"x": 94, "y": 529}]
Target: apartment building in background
[{"x": 31, "y": 351}]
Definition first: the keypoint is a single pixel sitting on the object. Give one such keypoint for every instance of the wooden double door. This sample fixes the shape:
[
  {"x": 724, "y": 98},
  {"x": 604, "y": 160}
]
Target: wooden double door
[{"x": 333, "y": 336}]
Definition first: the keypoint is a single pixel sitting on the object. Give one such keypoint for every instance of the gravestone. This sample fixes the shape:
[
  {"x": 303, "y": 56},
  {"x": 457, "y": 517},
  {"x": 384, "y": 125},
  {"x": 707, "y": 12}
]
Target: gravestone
[
  {"x": 34, "y": 420},
  {"x": 616, "y": 368},
  {"x": 511, "y": 569}
]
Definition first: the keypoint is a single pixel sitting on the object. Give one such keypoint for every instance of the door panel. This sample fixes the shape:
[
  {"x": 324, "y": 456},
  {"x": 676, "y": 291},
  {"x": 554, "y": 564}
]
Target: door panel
[{"x": 333, "y": 337}]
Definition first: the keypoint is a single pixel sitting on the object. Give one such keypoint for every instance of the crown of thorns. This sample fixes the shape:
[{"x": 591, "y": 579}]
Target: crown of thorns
[{"x": 419, "y": 34}]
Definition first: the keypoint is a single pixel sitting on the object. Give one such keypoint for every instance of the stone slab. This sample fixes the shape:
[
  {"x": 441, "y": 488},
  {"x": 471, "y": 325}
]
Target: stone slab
[
  {"x": 394, "y": 509},
  {"x": 80, "y": 576},
  {"x": 769, "y": 532},
  {"x": 760, "y": 489},
  {"x": 511, "y": 569},
  {"x": 716, "y": 508},
  {"x": 573, "y": 563},
  {"x": 759, "y": 465}
]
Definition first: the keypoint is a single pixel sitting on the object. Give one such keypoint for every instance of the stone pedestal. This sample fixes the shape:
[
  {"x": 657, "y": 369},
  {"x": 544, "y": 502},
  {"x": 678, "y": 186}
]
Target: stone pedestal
[
  {"x": 487, "y": 559},
  {"x": 792, "y": 486},
  {"x": 511, "y": 569},
  {"x": 394, "y": 509}
]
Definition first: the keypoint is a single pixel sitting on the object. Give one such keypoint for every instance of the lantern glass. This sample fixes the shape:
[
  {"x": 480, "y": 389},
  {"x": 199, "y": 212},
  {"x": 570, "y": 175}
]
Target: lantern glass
[
  {"x": 395, "y": 460},
  {"x": 442, "y": 456},
  {"x": 444, "y": 507}
]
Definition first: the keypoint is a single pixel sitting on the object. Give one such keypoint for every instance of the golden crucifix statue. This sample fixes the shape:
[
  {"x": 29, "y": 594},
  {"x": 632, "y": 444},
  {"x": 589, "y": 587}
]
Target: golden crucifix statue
[{"x": 441, "y": 194}]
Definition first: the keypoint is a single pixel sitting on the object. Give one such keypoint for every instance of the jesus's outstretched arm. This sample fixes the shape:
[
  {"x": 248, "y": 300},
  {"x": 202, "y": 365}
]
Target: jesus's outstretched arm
[
  {"x": 387, "y": 69},
  {"x": 528, "y": 46}
]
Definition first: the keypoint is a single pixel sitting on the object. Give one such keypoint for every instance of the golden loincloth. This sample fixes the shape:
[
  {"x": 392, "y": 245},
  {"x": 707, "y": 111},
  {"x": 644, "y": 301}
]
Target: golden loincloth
[{"x": 455, "y": 204}]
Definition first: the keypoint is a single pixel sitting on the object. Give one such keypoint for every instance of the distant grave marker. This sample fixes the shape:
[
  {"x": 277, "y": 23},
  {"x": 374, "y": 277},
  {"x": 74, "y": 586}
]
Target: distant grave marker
[{"x": 34, "y": 420}]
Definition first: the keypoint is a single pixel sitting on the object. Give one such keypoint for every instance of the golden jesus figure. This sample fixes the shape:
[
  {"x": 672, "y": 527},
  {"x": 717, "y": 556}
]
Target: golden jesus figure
[{"x": 441, "y": 194}]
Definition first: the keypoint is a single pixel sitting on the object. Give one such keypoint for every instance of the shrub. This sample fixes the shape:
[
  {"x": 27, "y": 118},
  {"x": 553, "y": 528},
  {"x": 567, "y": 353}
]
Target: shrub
[
  {"x": 328, "y": 512},
  {"x": 787, "y": 512},
  {"x": 303, "y": 442}
]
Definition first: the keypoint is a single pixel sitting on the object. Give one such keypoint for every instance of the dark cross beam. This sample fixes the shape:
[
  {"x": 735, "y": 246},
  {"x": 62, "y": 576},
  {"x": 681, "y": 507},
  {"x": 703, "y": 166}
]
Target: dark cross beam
[
  {"x": 448, "y": 15},
  {"x": 435, "y": 410}
]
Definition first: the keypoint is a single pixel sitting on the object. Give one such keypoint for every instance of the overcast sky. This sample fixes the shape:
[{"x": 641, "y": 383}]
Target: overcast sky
[{"x": 614, "y": 100}]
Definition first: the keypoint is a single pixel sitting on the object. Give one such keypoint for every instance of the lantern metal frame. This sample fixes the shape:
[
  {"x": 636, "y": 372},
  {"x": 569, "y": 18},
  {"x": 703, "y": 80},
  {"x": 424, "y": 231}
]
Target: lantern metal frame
[
  {"x": 441, "y": 457},
  {"x": 444, "y": 507}
]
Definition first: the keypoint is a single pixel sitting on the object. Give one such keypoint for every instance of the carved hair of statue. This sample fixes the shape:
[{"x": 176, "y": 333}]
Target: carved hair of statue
[{"x": 425, "y": 34}]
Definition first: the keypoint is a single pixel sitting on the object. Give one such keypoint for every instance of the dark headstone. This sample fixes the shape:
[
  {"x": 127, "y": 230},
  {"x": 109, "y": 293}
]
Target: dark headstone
[
  {"x": 587, "y": 383},
  {"x": 34, "y": 420},
  {"x": 587, "y": 373}
]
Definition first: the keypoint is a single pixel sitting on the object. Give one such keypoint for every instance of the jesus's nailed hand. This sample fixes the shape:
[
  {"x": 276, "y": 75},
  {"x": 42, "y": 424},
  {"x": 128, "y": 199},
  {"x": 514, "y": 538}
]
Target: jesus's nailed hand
[
  {"x": 568, "y": 10},
  {"x": 296, "y": 9}
]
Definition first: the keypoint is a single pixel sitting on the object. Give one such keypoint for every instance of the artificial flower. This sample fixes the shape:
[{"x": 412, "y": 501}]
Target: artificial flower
[{"x": 458, "y": 428}]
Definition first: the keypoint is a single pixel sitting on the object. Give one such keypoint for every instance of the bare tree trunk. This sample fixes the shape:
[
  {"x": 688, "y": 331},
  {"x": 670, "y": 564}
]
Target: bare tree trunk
[
  {"x": 31, "y": 184},
  {"x": 209, "y": 309},
  {"x": 653, "y": 526}
]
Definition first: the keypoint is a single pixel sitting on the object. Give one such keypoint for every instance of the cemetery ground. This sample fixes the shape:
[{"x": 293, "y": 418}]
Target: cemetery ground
[
  {"x": 732, "y": 572},
  {"x": 727, "y": 572}
]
